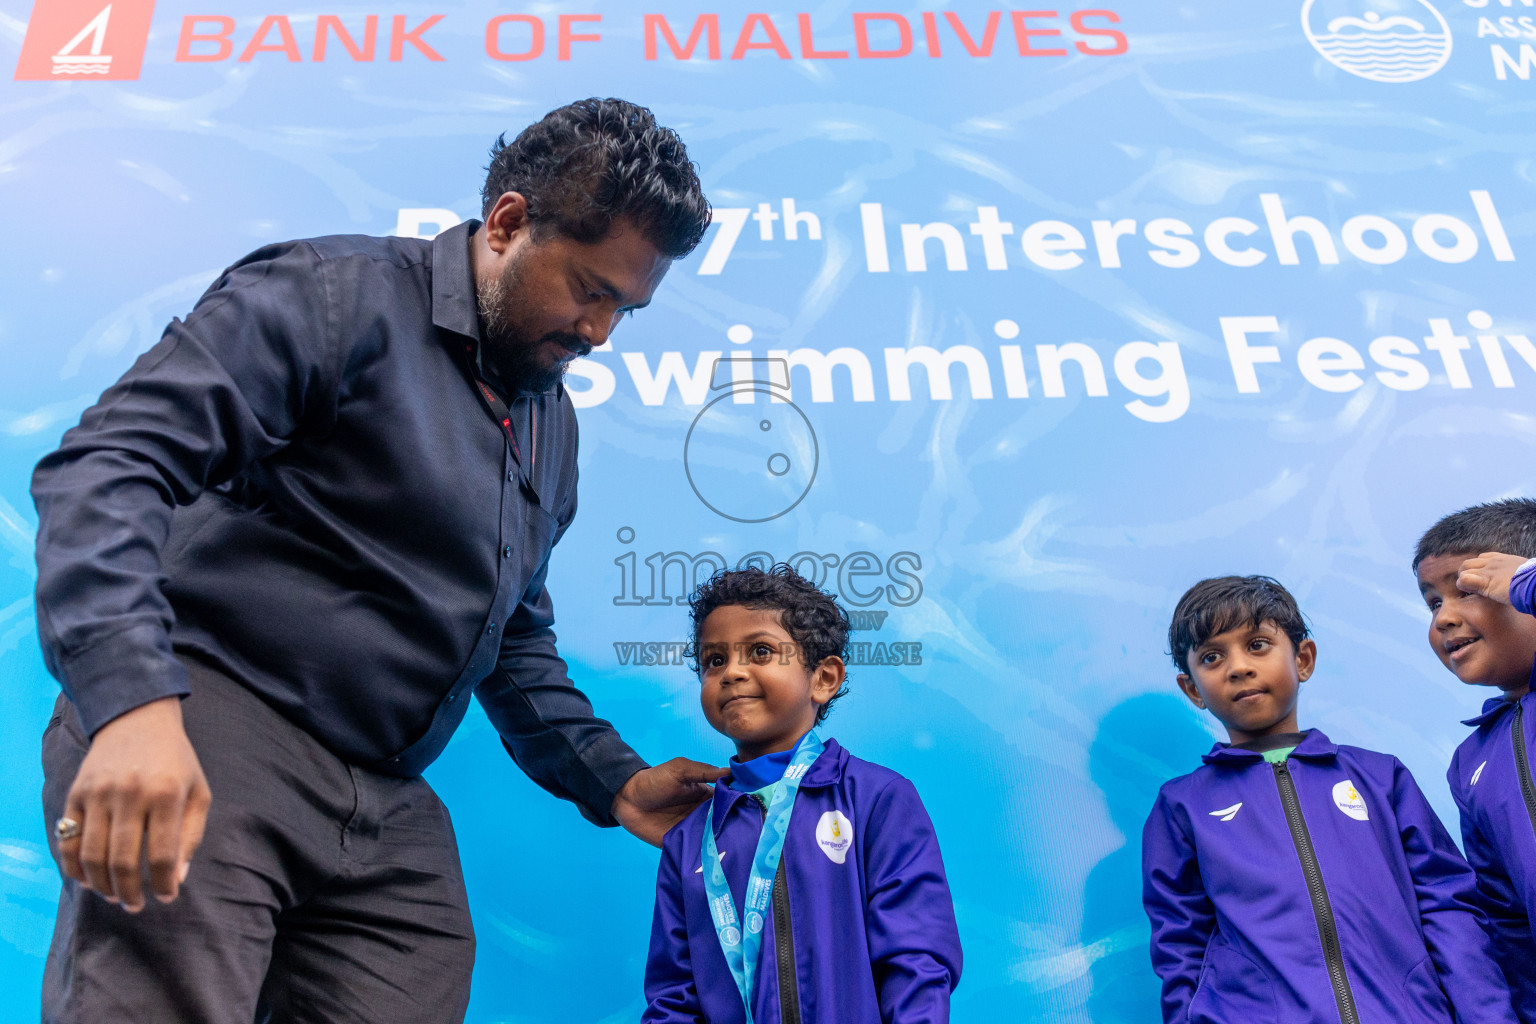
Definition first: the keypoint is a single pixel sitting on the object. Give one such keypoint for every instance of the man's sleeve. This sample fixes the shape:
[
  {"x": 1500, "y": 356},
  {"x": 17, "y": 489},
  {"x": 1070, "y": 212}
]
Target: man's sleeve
[
  {"x": 914, "y": 945},
  {"x": 232, "y": 383},
  {"x": 1455, "y": 930},
  {"x": 671, "y": 994},
  {"x": 1176, "y": 903},
  {"x": 545, "y": 722}
]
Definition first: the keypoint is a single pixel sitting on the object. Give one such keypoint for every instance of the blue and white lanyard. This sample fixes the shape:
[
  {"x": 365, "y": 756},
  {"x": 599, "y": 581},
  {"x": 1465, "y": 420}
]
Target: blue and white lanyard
[{"x": 742, "y": 946}]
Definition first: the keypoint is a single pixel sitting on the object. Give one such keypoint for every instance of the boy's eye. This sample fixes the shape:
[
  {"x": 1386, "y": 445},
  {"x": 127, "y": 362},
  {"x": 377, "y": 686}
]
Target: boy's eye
[
  {"x": 1258, "y": 643},
  {"x": 1209, "y": 658},
  {"x": 761, "y": 651}
]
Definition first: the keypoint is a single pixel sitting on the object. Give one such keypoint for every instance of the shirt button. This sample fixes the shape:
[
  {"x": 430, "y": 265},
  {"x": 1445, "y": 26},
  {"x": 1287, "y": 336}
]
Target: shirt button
[
  {"x": 506, "y": 552},
  {"x": 510, "y": 476},
  {"x": 450, "y": 699},
  {"x": 490, "y": 630}
]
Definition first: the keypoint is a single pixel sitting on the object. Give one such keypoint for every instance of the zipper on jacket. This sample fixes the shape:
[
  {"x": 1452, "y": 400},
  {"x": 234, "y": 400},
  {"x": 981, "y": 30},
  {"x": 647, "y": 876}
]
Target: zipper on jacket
[
  {"x": 1327, "y": 928},
  {"x": 783, "y": 940},
  {"x": 1523, "y": 765}
]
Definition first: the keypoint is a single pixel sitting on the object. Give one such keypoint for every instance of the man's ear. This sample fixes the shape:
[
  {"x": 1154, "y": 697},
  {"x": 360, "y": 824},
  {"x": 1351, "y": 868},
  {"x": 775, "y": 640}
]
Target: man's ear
[
  {"x": 827, "y": 678},
  {"x": 506, "y": 221},
  {"x": 1191, "y": 691}
]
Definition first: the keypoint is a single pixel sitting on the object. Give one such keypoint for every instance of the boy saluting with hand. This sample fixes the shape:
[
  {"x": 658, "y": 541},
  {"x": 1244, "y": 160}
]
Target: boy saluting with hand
[{"x": 1476, "y": 573}]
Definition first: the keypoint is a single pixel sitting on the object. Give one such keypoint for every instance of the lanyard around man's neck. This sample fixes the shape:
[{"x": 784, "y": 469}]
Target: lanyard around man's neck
[{"x": 502, "y": 414}]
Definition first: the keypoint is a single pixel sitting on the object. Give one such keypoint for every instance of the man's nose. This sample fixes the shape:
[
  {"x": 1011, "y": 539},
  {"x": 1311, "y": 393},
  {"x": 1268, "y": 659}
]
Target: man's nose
[{"x": 596, "y": 328}]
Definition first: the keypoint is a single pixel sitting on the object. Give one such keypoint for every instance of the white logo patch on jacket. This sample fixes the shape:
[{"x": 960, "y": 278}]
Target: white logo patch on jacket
[
  {"x": 834, "y": 834},
  {"x": 1228, "y": 813},
  {"x": 1348, "y": 799},
  {"x": 1479, "y": 773}
]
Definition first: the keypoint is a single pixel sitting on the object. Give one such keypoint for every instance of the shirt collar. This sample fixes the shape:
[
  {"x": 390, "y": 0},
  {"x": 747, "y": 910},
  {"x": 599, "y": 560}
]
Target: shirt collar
[
  {"x": 453, "y": 283},
  {"x": 751, "y": 776},
  {"x": 825, "y": 771},
  {"x": 1313, "y": 746}
]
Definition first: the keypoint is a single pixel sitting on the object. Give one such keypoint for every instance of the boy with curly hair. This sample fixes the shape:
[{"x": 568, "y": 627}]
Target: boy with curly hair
[{"x": 810, "y": 888}]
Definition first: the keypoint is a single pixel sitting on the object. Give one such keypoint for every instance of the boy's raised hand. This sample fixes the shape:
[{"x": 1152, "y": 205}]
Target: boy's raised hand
[{"x": 1489, "y": 574}]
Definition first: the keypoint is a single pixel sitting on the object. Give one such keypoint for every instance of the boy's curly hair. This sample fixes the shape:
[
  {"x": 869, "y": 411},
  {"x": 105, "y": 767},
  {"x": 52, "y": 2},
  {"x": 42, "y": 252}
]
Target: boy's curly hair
[{"x": 810, "y": 615}]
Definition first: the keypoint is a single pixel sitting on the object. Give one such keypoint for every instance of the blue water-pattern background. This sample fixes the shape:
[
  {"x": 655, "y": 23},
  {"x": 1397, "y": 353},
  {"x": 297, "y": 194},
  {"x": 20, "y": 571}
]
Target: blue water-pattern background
[{"x": 1053, "y": 534}]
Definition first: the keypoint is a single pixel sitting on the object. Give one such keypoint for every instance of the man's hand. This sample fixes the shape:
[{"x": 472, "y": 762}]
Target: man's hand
[
  {"x": 655, "y": 799},
  {"x": 140, "y": 794},
  {"x": 1489, "y": 574}
]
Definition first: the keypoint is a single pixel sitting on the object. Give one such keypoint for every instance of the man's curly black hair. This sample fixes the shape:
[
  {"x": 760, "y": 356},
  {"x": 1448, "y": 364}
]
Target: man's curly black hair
[
  {"x": 594, "y": 162},
  {"x": 810, "y": 615}
]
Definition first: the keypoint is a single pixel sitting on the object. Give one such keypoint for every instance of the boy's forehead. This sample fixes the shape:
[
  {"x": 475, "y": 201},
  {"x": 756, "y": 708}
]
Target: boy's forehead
[
  {"x": 1239, "y": 630},
  {"x": 731, "y": 621},
  {"x": 1437, "y": 570}
]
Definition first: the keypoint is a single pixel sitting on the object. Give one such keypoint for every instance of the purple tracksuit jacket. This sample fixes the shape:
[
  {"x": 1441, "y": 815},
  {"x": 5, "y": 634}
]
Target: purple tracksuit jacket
[
  {"x": 1320, "y": 890},
  {"x": 871, "y": 933},
  {"x": 1490, "y": 778}
]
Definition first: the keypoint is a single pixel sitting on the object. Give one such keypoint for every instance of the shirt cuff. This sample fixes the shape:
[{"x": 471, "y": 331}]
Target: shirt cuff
[
  {"x": 612, "y": 763},
  {"x": 1522, "y": 587},
  {"x": 121, "y": 672}
]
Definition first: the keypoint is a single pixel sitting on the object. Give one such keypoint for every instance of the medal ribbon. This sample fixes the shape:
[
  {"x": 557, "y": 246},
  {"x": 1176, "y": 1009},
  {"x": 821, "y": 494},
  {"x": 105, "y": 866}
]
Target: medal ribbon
[{"x": 742, "y": 941}]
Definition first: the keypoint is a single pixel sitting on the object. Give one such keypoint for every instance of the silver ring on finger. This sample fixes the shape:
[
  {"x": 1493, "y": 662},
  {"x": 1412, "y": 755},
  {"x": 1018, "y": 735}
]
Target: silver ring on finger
[{"x": 66, "y": 828}]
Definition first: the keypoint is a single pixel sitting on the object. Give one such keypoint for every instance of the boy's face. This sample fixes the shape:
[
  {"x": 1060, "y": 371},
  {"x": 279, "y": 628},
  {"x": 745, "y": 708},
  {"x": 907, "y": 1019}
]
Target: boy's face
[
  {"x": 1249, "y": 677},
  {"x": 1484, "y": 642},
  {"x": 757, "y": 688}
]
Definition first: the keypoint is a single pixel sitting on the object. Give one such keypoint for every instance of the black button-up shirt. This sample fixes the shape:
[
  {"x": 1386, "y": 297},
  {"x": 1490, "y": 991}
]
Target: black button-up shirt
[{"x": 301, "y": 484}]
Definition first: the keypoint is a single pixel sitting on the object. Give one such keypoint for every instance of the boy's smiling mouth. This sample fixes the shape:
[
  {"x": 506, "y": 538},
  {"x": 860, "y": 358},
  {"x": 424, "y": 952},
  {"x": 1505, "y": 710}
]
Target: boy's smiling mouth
[
  {"x": 1455, "y": 645},
  {"x": 1248, "y": 694}
]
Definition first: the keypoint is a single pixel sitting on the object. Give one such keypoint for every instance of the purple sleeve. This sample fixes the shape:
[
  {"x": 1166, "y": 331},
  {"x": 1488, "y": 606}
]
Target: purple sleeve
[
  {"x": 1522, "y": 588},
  {"x": 671, "y": 996},
  {"x": 1455, "y": 930},
  {"x": 909, "y": 919},
  {"x": 1176, "y": 903}
]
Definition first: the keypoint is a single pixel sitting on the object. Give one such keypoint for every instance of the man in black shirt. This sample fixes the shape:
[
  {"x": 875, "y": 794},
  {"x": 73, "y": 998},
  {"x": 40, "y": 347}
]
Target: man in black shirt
[{"x": 278, "y": 555}]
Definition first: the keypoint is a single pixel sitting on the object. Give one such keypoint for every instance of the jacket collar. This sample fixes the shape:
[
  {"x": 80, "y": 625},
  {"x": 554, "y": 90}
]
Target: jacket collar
[
  {"x": 1315, "y": 747},
  {"x": 453, "y": 283},
  {"x": 826, "y": 770},
  {"x": 1493, "y": 707}
]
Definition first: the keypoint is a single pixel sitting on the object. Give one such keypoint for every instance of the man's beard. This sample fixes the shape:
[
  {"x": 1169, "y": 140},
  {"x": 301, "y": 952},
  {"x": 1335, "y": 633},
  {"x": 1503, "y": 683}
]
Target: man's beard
[{"x": 507, "y": 350}]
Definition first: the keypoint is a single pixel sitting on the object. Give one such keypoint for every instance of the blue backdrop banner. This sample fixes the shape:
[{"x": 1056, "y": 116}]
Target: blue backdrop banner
[{"x": 1011, "y": 325}]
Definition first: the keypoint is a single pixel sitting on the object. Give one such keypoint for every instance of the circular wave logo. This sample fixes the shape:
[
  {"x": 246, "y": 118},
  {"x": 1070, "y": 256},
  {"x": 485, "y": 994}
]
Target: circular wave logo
[
  {"x": 751, "y": 454},
  {"x": 1382, "y": 40}
]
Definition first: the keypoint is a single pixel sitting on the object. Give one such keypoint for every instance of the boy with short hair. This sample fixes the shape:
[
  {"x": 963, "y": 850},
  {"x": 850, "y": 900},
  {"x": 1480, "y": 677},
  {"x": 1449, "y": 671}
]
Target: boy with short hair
[
  {"x": 810, "y": 888},
  {"x": 1291, "y": 878},
  {"x": 1476, "y": 573}
]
